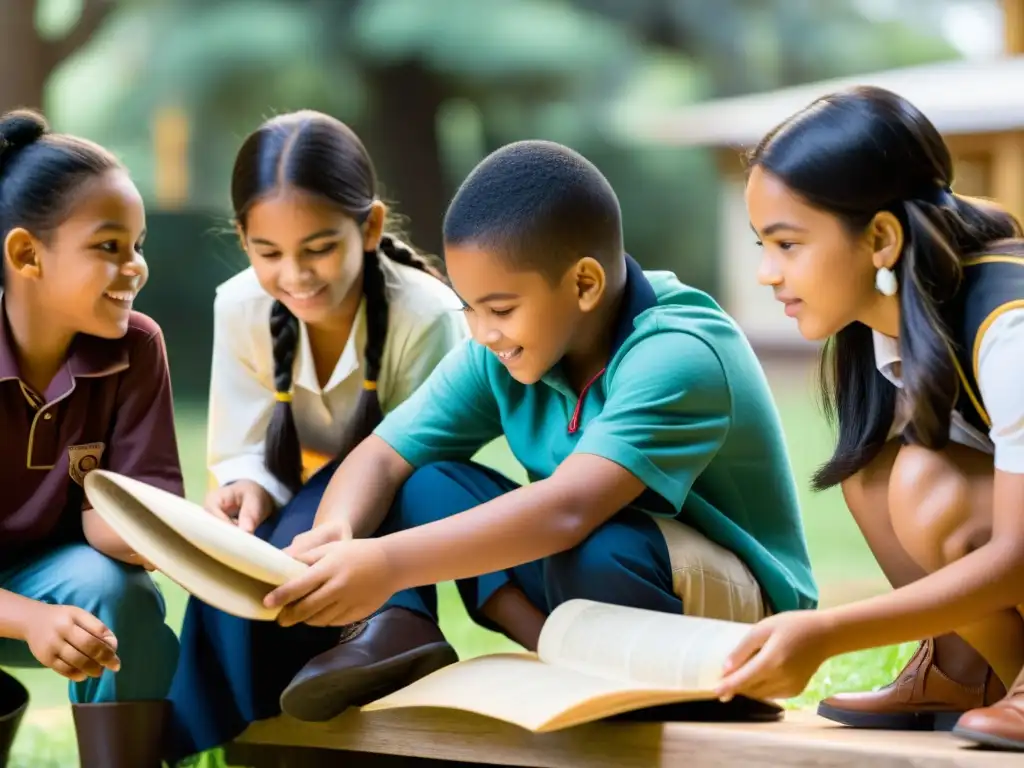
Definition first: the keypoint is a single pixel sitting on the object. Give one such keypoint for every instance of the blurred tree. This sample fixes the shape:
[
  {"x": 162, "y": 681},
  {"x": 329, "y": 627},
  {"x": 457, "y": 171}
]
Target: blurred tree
[
  {"x": 753, "y": 45},
  {"x": 28, "y": 55},
  {"x": 432, "y": 86}
]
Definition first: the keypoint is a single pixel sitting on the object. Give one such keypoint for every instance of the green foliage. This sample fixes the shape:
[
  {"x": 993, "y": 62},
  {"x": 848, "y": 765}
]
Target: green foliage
[
  {"x": 505, "y": 69},
  {"x": 490, "y": 42}
]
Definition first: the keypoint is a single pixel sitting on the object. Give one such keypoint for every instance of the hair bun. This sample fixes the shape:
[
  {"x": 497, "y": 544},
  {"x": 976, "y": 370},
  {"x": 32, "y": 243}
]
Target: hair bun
[{"x": 18, "y": 129}]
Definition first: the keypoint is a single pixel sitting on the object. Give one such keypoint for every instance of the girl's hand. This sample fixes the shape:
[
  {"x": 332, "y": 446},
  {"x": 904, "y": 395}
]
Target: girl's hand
[
  {"x": 346, "y": 582},
  {"x": 245, "y": 503},
  {"x": 777, "y": 658},
  {"x": 70, "y": 641}
]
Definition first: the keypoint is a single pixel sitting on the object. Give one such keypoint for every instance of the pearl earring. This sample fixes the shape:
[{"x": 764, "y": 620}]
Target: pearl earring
[{"x": 885, "y": 281}]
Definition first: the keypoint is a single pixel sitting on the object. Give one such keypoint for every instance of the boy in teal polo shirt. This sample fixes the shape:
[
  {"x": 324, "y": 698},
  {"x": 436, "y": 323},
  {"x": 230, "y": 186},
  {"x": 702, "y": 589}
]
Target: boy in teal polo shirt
[{"x": 659, "y": 474}]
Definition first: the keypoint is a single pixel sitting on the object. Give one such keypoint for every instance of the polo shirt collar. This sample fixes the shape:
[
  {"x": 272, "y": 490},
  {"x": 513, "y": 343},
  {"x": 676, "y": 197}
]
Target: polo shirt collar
[
  {"x": 638, "y": 297},
  {"x": 89, "y": 356},
  {"x": 348, "y": 363}
]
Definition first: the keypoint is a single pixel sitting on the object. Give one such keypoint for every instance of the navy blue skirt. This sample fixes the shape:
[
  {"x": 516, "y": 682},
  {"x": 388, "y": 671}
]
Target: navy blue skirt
[{"x": 231, "y": 671}]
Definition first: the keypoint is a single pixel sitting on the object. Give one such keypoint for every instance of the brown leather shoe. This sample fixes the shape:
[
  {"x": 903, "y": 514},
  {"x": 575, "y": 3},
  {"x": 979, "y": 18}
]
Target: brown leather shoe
[
  {"x": 13, "y": 703},
  {"x": 381, "y": 655},
  {"x": 125, "y": 734},
  {"x": 921, "y": 698},
  {"x": 1000, "y": 725}
]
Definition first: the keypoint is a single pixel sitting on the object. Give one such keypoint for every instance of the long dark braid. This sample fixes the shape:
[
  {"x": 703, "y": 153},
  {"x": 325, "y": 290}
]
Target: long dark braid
[
  {"x": 368, "y": 412},
  {"x": 283, "y": 454}
]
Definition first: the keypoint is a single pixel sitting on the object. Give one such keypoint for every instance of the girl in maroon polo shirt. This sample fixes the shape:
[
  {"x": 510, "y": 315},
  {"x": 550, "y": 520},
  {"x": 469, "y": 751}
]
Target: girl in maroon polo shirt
[{"x": 83, "y": 384}]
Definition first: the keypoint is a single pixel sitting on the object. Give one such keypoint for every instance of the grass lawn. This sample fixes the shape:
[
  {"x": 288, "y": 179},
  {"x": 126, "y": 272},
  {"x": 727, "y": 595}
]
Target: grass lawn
[{"x": 843, "y": 565}]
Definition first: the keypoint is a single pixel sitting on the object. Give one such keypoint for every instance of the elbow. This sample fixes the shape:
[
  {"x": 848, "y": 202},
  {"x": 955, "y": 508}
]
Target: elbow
[{"x": 573, "y": 523}]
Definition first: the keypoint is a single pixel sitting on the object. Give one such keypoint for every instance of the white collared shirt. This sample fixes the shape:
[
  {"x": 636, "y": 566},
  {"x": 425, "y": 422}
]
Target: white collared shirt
[
  {"x": 1000, "y": 377},
  {"x": 425, "y": 321}
]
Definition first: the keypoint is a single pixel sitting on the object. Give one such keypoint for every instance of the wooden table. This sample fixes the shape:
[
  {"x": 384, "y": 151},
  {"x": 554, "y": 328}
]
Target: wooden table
[{"x": 435, "y": 738}]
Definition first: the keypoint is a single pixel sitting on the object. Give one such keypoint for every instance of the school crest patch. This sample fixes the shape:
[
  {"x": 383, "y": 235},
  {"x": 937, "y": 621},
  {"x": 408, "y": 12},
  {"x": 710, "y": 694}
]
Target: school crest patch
[{"x": 83, "y": 459}]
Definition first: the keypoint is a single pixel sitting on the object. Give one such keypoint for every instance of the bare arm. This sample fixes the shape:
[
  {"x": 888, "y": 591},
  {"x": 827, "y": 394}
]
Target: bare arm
[
  {"x": 529, "y": 523},
  {"x": 103, "y": 538},
  {"x": 363, "y": 487}
]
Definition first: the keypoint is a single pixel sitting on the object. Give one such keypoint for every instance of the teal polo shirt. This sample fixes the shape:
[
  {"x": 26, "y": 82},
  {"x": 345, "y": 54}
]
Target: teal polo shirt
[{"x": 683, "y": 404}]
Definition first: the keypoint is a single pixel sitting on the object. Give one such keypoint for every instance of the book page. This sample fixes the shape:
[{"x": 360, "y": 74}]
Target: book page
[
  {"x": 522, "y": 690},
  {"x": 641, "y": 647},
  {"x": 175, "y": 556}
]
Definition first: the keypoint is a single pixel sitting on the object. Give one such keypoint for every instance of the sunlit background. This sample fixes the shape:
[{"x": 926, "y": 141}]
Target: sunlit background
[{"x": 661, "y": 94}]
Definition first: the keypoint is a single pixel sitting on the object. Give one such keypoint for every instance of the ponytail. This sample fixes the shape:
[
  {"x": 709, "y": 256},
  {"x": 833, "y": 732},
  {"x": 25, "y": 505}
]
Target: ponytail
[{"x": 283, "y": 450}]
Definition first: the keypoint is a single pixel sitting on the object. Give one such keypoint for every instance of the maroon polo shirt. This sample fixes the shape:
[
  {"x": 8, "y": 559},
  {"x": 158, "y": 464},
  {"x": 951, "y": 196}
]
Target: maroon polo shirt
[{"x": 109, "y": 406}]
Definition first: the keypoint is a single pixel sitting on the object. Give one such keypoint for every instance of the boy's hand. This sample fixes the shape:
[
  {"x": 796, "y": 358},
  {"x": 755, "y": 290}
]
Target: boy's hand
[
  {"x": 70, "y": 641},
  {"x": 316, "y": 537},
  {"x": 245, "y": 503},
  {"x": 347, "y": 581},
  {"x": 777, "y": 658}
]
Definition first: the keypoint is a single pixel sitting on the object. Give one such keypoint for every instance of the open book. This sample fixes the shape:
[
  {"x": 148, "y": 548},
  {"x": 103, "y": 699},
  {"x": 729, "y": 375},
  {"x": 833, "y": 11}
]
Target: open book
[
  {"x": 207, "y": 556},
  {"x": 593, "y": 661}
]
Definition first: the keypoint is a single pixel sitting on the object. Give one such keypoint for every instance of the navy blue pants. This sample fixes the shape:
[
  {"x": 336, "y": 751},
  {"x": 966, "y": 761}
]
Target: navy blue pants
[
  {"x": 232, "y": 671},
  {"x": 624, "y": 562}
]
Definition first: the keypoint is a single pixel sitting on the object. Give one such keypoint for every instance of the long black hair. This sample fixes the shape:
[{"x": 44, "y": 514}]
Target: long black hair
[
  {"x": 318, "y": 154},
  {"x": 854, "y": 154},
  {"x": 40, "y": 171}
]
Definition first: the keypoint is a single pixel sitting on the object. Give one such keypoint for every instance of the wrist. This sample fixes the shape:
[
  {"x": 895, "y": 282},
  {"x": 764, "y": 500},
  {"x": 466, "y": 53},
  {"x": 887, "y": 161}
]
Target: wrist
[
  {"x": 833, "y": 633},
  {"x": 397, "y": 579},
  {"x": 17, "y": 615}
]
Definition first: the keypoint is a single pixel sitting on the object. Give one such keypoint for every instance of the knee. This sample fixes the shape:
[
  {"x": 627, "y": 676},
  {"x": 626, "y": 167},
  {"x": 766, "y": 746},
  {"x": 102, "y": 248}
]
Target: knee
[
  {"x": 115, "y": 592},
  {"x": 596, "y": 569},
  {"x": 432, "y": 492},
  {"x": 865, "y": 492},
  {"x": 934, "y": 505}
]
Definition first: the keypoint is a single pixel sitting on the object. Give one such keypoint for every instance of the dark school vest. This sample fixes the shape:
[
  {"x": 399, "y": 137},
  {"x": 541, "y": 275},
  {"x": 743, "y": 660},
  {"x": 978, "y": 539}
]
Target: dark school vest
[{"x": 992, "y": 285}]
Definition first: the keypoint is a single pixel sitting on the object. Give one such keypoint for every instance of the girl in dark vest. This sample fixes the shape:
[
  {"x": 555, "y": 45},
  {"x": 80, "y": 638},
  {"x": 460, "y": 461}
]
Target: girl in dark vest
[{"x": 919, "y": 293}]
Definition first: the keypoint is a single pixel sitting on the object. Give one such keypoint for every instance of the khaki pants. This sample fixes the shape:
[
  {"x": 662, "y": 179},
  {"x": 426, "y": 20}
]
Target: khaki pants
[{"x": 710, "y": 580}]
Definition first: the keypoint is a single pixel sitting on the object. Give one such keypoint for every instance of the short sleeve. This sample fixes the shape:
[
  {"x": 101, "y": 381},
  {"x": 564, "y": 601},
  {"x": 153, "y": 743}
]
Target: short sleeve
[
  {"x": 142, "y": 444},
  {"x": 424, "y": 349},
  {"x": 1000, "y": 372},
  {"x": 240, "y": 407},
  {"x": 666, "y": 415},
  {"x": 451, "y": 416}
]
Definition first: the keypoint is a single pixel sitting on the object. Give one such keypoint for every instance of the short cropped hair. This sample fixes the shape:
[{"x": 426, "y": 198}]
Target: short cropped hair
[{"x": 540, "y": 206}]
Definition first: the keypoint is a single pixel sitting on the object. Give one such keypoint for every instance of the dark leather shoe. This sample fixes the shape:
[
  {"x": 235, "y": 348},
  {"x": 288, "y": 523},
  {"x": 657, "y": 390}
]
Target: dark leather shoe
[
  {"x": 387, "y": 652},
  {"x": 1000, "y": 726},
  {"x": 13, "y": 703},
  {"x": 921, "y": 698},
  {"x": 124, "y": 734}
]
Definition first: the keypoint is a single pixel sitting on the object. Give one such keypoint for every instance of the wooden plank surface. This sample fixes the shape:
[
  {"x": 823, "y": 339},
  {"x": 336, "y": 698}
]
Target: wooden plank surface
[{"x": 801, "y": 739}]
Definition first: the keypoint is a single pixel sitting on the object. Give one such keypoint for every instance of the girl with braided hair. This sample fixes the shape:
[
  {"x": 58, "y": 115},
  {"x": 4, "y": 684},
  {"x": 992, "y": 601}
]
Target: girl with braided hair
[{"x": 334, "y": 323}]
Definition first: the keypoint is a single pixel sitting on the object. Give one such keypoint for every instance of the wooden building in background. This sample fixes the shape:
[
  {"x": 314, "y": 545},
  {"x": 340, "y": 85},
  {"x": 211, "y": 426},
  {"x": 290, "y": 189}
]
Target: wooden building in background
[{"x": 977, "y": 105}]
